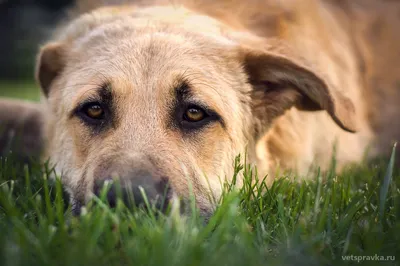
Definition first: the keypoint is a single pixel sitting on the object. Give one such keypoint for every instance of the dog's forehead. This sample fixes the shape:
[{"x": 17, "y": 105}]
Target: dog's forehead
[
  {"x": 137, "y": 32},
  {"x": 152, "y": 60},
  {"x": 130, "y": 18},
  {"x": 148, "y": 62},
  {"x": 139, "y": 42},
  {"x": 149, "y": 49}
]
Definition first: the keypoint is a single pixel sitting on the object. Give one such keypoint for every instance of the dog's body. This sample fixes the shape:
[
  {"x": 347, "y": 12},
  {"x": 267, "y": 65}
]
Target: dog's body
[
  {"x": 286, "y": 81},
  {"x": 21, "y": 129}
]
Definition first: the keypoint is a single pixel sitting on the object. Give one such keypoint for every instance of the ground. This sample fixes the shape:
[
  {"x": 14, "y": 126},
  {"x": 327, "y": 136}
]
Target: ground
[{"x": 335, "y": 219}]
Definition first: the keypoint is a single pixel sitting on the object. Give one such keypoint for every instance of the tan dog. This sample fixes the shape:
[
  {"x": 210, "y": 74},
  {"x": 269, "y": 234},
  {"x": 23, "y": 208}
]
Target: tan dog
[{"x": 164, "y": 96}]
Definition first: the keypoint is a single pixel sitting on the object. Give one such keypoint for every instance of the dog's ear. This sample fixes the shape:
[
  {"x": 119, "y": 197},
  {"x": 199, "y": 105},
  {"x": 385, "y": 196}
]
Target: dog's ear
[
  {"x": 50, "y": 63},
  {"x": 281, "y": 82}
]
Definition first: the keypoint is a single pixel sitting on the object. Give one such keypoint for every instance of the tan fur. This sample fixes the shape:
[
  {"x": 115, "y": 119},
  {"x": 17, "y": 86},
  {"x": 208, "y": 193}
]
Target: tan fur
[{"x": 290, "y": 79}]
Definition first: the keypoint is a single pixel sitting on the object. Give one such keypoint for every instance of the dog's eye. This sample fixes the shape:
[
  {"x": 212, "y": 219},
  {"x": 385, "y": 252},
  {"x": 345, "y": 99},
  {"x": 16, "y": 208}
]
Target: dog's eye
[
  {"x": 193, "y": 117},
  {"x": 194, "y": 114},
  {"x": 93, "y": 111}
]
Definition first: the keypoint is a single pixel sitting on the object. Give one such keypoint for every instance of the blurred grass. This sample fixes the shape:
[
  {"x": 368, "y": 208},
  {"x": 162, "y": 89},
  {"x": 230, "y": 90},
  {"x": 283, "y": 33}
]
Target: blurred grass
[
  {"x": 23, "y": 90},
  {"x": 307, "y": 223}
]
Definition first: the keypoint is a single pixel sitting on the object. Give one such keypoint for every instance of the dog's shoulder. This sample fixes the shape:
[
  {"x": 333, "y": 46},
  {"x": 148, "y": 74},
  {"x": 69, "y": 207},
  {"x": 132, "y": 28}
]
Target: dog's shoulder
[{"x": 377, "y": 36}]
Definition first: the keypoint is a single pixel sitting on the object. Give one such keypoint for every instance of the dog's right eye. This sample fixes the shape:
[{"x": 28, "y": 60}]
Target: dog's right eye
[{"x": 92, "y": 112}]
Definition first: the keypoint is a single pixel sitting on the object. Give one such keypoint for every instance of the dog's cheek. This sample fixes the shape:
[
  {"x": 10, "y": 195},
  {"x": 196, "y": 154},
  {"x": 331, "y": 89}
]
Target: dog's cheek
[
  {"x": 214, "y": 153},
  {"x": 84, "y": 141},
  {"x": 211, "y": 147},
  {"x": 63, "y": 147}
]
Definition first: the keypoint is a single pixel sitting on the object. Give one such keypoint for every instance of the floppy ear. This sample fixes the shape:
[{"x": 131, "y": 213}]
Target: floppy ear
[
  {"x": 50, "y": 63},
  {"x": 280, "y": 83}
]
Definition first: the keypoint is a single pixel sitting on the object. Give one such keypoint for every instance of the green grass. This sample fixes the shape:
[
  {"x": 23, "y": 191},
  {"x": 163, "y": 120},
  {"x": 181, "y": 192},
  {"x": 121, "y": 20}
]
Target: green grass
[
  {"x": 24, "y": 90},
  {"x": 308, "y": 223}
]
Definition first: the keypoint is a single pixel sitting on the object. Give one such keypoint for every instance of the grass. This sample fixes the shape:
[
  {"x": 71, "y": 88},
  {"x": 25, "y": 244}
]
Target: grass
[
  {"x": 23, "y": 89},
  {"x": 333, "y": 219},
  {"x": 308, "y": 223}
]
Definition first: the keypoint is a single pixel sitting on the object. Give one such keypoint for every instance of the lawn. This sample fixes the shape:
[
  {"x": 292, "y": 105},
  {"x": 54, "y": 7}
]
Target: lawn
[
  {"x": 23, "y": 90},
  {"x": 350, "y": 218}
]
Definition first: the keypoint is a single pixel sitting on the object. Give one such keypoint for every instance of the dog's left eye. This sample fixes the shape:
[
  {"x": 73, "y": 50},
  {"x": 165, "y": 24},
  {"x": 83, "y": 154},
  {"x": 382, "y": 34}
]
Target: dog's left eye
[
  {"x": 194, "y": 117},
  {"x": 194, "y": 114},
  {"x": 92, "y": 112}
]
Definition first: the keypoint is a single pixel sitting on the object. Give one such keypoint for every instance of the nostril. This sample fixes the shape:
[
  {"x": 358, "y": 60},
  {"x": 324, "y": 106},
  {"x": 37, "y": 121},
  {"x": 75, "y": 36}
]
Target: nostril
[
  {"x": 97, "y": 187},
  {"x": 163, "y": 186},
  {"x": 164, "y": 189}
]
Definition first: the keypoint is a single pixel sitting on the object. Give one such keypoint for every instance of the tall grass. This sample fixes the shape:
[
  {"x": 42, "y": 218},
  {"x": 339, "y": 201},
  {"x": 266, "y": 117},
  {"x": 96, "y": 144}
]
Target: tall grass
[{"x": 317, "y": 222}]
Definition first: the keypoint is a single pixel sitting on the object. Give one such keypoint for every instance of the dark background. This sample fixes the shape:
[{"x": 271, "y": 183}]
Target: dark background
[{"x": 24, "y": 25}]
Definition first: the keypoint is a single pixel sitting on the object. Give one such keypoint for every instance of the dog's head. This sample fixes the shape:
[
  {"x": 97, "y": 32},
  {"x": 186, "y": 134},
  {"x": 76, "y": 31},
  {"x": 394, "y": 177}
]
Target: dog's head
[{"x": 165, "y": 99}]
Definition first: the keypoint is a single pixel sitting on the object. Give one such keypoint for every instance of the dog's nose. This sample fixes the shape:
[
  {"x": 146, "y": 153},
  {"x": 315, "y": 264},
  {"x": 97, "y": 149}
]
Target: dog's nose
[{"x": 135, "y": 191}]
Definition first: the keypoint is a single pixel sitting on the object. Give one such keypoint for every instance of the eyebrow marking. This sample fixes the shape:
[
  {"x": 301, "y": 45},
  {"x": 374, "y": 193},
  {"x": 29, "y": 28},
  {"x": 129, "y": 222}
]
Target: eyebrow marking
[
  {"x": 106, "y": 95},
  {"x": 183, "y": 100},
  {"x": 183, "y": 90},
  {"x": 102, "y": 94}
]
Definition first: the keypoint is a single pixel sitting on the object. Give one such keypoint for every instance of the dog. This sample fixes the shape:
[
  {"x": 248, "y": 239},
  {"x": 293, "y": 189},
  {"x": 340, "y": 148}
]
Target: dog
[{"x": 163, "y": 95}]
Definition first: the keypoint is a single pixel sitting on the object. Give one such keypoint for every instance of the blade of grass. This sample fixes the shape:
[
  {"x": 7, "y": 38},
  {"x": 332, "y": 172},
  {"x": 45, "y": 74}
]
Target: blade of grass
[{"x": 386, "y": 183}]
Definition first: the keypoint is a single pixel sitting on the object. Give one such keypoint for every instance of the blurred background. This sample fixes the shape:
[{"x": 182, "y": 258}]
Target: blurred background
[{"x": 24, "y": 26}]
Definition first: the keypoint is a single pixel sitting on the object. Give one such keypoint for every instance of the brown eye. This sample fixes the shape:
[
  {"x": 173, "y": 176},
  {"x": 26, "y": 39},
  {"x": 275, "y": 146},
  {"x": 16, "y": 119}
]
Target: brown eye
[
  {"x": 194, "y": 115},
  {"x": 94, "y": 111}
]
